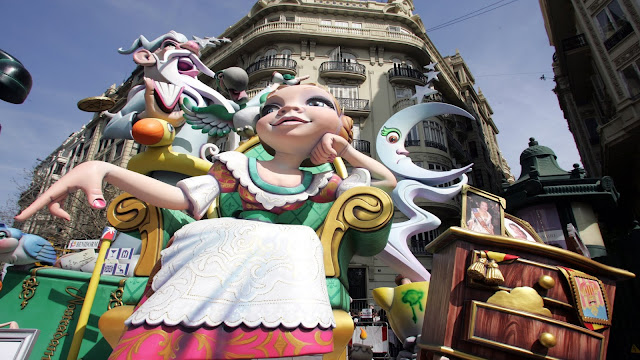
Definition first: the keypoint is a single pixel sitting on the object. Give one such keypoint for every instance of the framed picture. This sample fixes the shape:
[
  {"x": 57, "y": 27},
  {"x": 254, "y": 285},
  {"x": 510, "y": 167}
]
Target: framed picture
[
  {"x": 519, "y": 229},
  {"x": 591, "y": 299},
  {"x": 482, "y": 212},
  {"x": 544, "y": 218},
  {"x": 17, "y": 343}
]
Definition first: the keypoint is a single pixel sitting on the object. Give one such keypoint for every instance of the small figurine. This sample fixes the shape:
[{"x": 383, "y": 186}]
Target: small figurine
[
  {"x": 171, "y": 64},
  {"x": 18, "y": 248}
]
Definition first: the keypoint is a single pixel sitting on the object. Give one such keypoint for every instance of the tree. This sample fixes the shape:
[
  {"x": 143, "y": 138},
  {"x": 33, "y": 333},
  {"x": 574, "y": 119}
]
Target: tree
[{"x": 85, "y": 223}]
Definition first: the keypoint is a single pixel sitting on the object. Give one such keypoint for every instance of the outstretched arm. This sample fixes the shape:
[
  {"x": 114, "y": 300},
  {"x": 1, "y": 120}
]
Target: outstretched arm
[
  {"x": 88, "y": 177},
  {"x": 332, "y": 145}
]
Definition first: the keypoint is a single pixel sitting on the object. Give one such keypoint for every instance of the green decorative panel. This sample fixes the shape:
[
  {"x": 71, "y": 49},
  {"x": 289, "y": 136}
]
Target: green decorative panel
[
  {"x": 134, "y": 289},
  {"x": 54, "y": 308},
  {"x": 338, "y": 294}
]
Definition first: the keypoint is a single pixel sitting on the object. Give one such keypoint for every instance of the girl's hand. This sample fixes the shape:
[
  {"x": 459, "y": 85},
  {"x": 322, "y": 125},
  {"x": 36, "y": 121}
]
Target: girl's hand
[
  {"x": 328, "y": 148},
  {"x": 87, "y": 177}
]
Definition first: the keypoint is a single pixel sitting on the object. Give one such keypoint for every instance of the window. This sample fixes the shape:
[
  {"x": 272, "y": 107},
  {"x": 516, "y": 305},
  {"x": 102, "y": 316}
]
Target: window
[
  {"x": 119, "y": 147},
  {"x": 270, "y": 53},
  {"x": 433, "y": 135},
  {"x": 631, "y": 77},
  {"x": 419, "y": 241},
  {"x": 413, "y": 137},
  {"x": 611, "y": 19},
  {"x": 338, "y": 55},
  {"x": 613, "y": 24},
  {"x": 398, "y": 29},
  {"x": 286, "y": 53},
  {"x": 473, "y": 150},
  {"x": 437, "y": 167},
  {"x": 403, "y": 93},
  {"x": 325, "y": 25},
  {"x": 478, "y": 180},
  {"x": 592, "y": 129},
  {"x": 344, "y": 91}
]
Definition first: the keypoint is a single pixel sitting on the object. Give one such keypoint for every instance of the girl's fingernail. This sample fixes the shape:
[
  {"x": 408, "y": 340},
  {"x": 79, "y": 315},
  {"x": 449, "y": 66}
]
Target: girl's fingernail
[{"x": 99, "y": 203}]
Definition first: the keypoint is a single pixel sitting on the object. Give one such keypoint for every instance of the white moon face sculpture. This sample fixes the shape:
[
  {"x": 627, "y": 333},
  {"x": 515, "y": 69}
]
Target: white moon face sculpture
[{"x": 390, "y": 143}]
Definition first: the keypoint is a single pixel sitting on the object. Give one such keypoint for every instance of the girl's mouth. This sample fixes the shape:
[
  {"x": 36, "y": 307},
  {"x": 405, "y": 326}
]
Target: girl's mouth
[{"x": 290, "y": 120}]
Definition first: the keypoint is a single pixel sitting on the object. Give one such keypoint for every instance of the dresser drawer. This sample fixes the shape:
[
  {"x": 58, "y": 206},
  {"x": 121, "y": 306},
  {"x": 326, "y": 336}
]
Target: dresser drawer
[
  {"x": 520, "y": 333},
  {"x": 525, "y": 272}
]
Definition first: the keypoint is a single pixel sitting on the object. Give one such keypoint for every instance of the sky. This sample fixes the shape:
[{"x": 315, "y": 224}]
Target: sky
[{"x": 70, "y": 49}]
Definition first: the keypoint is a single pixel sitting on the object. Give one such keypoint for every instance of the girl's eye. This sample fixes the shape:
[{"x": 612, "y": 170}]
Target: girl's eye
[
  {"x": 269, "y": 108},
  {"x": 320, "y": 102},
  {"x": 393, "y": 137}
]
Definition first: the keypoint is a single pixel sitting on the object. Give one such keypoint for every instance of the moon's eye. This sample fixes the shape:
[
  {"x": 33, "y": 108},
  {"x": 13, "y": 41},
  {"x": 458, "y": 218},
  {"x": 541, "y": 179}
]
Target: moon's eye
[{"x": 393, "y": 137}]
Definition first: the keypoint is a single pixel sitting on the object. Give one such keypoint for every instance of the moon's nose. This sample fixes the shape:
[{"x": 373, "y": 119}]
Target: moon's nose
[{"x": 402, "y": 151}]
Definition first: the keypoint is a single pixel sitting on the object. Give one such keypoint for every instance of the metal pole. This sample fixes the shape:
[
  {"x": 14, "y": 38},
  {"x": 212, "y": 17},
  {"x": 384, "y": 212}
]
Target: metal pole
[{"x": 108, "y": 235}]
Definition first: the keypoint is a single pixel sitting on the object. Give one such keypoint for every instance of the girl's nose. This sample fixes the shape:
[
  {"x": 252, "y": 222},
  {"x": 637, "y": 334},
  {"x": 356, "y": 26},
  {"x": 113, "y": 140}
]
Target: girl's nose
[{"x": 285, "y": 109}]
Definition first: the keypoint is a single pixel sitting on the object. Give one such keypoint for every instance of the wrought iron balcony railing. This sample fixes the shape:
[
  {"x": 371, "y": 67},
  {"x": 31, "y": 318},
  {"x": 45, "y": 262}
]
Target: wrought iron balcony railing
[
  {"x": 362, "y": 145},
  {"x": 354, "y": 104},
  {"x": 272, "y": 62},
  {"x": 435, "y": 145},
  {"x": 406, "y": 72},
  {"x": 618, "y": 36},
  {"x": 343, "y": 66},
  {"x": 574, "y": 42}
]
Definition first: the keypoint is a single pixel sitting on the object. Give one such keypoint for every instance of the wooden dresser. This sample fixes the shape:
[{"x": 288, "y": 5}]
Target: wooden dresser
[{"x": 460, "y": 324}]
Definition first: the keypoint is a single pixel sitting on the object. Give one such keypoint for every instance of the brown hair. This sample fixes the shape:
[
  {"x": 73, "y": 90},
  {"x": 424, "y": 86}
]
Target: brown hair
[{"x": 346, "y": 131}]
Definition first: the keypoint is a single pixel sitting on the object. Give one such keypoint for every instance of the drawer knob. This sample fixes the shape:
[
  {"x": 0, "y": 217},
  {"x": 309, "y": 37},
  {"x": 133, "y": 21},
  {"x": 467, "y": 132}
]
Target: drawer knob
[
  {"x": 546, "y": 282},
  {"x": 547, "y": 340}
]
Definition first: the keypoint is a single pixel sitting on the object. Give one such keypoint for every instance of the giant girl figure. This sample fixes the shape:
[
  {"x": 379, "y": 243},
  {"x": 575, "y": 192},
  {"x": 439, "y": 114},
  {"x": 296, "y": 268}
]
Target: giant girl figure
[{"x": 230, "y": 280}]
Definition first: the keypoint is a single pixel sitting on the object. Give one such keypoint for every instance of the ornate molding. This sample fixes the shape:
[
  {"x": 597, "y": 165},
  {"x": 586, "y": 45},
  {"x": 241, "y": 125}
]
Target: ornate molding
[
  {"x": 599, "y": 48},
  {"x": 363, "y": 208},
  {"x": 596, "y": 5},
  {"x": 627, "y": 55},
  {"x": 127, "y": 213}
]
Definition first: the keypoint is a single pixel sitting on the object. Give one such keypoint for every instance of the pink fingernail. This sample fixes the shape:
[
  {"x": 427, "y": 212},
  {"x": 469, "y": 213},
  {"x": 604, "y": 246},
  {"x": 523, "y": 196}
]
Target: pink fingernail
[{"x": 99, "y": 203}]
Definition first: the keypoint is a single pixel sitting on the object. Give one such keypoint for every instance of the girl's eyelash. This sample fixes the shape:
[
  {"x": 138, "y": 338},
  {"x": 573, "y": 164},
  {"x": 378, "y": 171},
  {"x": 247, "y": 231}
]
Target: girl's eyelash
[
  {"x": 327, "y": 102},
  {"x": 266, "y": 108}
]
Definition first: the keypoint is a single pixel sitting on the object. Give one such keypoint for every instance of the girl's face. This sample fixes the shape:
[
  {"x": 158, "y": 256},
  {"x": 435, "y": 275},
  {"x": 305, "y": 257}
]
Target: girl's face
[{"x": 293, "y": 119}]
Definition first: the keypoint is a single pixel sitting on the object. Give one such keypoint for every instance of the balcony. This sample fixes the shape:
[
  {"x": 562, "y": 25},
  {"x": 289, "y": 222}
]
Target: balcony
[
  {"x": 343, "y": 70},
  {"x": 354, "y": 107},
  {"x": 435, "y": 145},
  {"x": 618, "y": 36},
  {"x": 404, "y": 103},
  {"x": 457, "y": 149},
  {"x": 362, "y": 145},
  {"x": 412, "y": 142},
  {"x": 406, "y": 76},
  {"x": 574, "y": 42},
  {"x": 265, "y": 67}
]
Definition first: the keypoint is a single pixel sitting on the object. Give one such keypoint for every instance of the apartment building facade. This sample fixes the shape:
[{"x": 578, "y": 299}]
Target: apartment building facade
[
  {"x": 371, "y": 55},
  {"x": 597, "y": 73}
]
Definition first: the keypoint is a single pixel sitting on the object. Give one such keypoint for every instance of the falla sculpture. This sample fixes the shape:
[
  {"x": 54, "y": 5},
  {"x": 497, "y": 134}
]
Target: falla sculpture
[
  {"x": 406, "y": 303},
  {"x": 228, "y": 280}
]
